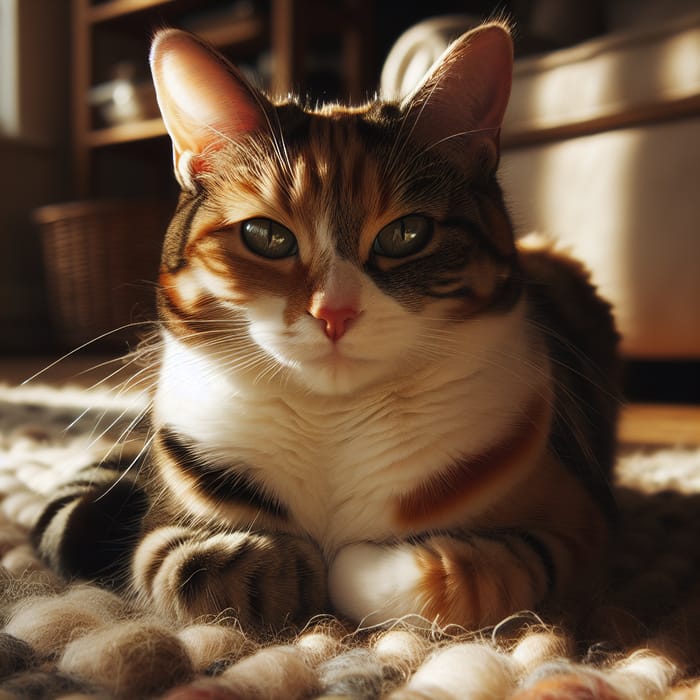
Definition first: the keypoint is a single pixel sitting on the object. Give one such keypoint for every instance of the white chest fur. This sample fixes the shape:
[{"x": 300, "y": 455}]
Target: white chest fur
[{"x": 337, "y": 462}]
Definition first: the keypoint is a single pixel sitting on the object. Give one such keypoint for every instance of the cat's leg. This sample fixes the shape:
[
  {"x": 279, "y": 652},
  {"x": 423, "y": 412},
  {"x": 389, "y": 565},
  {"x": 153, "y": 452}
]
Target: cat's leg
[
  {"x": 90, "y": 525},
  {"x": 92, "y": 529},
  {"x": 473, "y": 580},
  {"x": 265, "y": 579}
]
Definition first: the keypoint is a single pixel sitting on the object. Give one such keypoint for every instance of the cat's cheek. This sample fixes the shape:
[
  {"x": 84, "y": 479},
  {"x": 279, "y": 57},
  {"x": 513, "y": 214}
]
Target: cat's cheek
[
  {"x": 372, "y": 583},
  {"x": 268, "y": 332}
]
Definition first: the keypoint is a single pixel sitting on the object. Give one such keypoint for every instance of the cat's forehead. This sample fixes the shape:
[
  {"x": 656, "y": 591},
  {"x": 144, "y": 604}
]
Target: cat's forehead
[
  {"x": 325, "y": 172},
  {"x": 334, "y": 134},
  {"x": 349, "y": 166},
  {"x": 375, "y": 115}
]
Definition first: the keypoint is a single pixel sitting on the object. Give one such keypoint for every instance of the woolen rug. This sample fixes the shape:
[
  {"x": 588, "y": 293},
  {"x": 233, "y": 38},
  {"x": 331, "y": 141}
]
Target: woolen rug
[{"x": 63, "y": 639}]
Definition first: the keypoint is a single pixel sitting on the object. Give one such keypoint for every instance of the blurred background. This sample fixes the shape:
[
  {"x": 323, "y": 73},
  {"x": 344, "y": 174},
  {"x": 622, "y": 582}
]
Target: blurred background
[{"x": 601, "y": 149}]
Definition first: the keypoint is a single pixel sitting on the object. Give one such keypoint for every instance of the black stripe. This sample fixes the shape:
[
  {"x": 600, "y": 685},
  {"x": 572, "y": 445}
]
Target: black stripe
[
  {"x": 256, "y": 596},
  {"x": 475, "y": 231},
  {"x": 502, "y": 535},
  {"x": 48, "y": 514},
  {"x": 95, "y": 537},
  {"x": 542, "y": 551},
  {"x": 165, "y": 305},
  {"x": 177, "y": 235},
  {"x": 157, "y": 557},
  {"x": 230, "y": 483},
  {"x": 307, "y": 581}
]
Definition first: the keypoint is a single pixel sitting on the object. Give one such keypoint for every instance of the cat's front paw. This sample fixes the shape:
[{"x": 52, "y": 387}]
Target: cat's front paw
[
  {"x": 443, "y": 579},
  {"x": 260, "y": 579},
  {"x": 373, "y": 583}
]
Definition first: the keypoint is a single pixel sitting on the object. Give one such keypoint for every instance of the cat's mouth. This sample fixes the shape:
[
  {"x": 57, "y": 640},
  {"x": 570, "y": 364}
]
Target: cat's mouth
[
  {"x": 338, "y": 370},
  {"x": 336, "y": 355}
]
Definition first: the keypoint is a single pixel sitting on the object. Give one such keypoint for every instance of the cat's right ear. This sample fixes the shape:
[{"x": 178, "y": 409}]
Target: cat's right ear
[
  {"x": 460, "y": 103},
  {"x": 205, "y": 102}
]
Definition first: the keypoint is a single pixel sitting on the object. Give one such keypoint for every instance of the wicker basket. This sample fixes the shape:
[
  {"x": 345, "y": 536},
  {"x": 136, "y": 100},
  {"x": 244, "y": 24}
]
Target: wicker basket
[{"x": 101, "y": 259}]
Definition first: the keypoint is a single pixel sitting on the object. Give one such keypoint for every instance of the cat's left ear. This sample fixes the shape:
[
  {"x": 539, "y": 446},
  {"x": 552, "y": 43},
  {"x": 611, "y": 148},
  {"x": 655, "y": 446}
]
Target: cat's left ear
[
  {"x": 204, "y": 100},
  {"x": 461, "y": 101}
]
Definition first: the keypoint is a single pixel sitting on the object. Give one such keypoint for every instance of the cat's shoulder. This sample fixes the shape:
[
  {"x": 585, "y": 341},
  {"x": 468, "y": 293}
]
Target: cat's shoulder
[{"x": 561, "y": 286}]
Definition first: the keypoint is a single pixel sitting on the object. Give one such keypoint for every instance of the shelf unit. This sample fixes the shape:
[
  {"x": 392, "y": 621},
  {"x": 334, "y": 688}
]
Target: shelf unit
[{"x": 107, "y": 31}]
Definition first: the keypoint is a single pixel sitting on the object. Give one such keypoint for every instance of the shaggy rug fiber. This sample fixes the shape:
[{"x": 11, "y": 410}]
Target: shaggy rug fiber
[{"x": 64, "y": 639}]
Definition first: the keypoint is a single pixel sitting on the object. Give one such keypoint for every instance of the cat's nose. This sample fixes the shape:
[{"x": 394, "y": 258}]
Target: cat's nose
[{"x": 335, "y": 322}]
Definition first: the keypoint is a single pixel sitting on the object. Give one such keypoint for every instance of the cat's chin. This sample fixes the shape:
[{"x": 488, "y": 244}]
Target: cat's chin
[{"x": 337, "y": 375}]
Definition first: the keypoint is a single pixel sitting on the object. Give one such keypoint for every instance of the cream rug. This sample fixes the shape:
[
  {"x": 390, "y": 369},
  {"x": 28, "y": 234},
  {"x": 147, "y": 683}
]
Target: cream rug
[{"x": 73, "y": 640}]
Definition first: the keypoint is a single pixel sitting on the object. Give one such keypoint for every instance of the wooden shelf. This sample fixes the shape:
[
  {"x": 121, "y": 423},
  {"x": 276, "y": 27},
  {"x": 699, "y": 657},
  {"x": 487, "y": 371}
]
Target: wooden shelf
[
  {"x": 120, "y": 8},
  {"x": 124, "y": 133},
  {"x": 234, "y": 30},
  {"x": 243, "y": 31},
  {"x": 106, "y": 32}
]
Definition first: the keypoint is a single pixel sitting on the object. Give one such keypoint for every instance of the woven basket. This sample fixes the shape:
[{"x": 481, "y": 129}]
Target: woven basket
[{"x": 101, "y": 259}]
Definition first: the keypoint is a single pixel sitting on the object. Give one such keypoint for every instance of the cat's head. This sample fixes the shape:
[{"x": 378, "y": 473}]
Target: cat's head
[{"x": 335, "y": 247}]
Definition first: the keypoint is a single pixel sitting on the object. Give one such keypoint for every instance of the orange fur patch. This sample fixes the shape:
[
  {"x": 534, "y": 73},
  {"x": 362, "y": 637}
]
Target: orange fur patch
[
  {"x": 470, "y": 586},
  {"x": 168, "y": 288},
  {"x": 457, "y": 485}
]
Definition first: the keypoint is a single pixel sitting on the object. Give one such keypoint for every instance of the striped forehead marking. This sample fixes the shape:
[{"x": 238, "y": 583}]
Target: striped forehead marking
[{"x": 332, "y": 190}]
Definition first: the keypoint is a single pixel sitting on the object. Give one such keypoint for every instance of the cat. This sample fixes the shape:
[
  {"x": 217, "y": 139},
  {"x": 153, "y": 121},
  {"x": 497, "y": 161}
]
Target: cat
[{"x": 370, "y": 399}]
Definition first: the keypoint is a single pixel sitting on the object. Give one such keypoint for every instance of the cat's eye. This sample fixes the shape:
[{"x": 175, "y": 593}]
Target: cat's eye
[
  {"x": 268, "y": 239},
  {"x": 403, "y": 237}
]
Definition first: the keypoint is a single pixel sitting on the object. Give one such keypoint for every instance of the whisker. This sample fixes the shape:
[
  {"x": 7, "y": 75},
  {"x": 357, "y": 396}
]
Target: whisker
[
  {"x": 113, "y": 374},
  {"x": 469, "y": 132},
  {"x": 116, "y": 421},
  {"x": 125, "y": 471},
  {"x": 102, "y": 336}
]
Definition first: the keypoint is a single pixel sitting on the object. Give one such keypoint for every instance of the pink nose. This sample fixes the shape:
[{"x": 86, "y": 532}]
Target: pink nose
[{"x": 335, "y": 322}]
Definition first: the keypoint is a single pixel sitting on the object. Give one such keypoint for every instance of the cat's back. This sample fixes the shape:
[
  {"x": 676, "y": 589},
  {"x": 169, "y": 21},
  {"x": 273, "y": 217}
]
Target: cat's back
[
  {"x": 564, "y": 294},
  {"x": 578, "y": 327}
]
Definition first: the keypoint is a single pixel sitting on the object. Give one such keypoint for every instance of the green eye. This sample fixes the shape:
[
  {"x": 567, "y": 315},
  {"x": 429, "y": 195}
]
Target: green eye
[
  {"x": 403, "y": 237},
  {"x": 268, "y": 239}
]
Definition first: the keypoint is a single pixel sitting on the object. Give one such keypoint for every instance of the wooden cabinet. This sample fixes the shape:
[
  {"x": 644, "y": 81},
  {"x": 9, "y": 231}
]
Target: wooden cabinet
[{"x": 291, "y": 37}]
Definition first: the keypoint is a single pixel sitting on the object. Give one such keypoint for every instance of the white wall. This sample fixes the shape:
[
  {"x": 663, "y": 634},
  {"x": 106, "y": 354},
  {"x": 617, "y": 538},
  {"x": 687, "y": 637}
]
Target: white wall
[{"x": 626, "y": 203}]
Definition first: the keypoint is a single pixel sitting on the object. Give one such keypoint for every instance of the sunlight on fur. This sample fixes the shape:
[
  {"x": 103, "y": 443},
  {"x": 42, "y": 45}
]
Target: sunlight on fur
[{"x": 368, "y": 433}]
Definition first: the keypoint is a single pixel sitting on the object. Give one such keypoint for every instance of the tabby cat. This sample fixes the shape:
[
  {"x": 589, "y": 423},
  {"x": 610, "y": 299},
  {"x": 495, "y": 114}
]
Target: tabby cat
[{"x": 370, "y": 400}]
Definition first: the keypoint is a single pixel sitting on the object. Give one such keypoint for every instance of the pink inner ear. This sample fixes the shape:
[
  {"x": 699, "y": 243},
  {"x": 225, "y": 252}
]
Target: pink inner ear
[
  {"x": 468, "y": 88},
  {"x": 204, "y": 100}
]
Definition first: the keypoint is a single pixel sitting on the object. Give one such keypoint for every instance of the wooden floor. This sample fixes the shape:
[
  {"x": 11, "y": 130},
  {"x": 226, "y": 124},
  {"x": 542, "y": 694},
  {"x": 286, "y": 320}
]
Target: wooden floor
[
  {"x": 641, "y": 423},
  {"x": 651, "y": 424}
]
